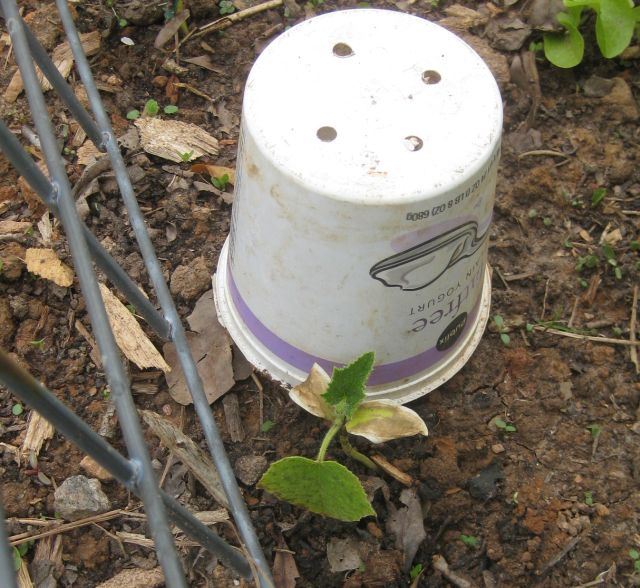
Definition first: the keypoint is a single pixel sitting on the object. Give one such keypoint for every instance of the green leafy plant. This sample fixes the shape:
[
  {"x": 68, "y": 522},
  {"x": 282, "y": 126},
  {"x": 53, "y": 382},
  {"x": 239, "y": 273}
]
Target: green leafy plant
[
  {"x": 222, "y": 182},
  {"x": 170, "y": 109},
  {"x": 634, "y": 554},
  {"x": 226, "y": 7},
  {"x": 267, "y": 426},
  {"x": 39, "y": 343},
  {"x": 19, "y": 551},
  {"x": 133, "y": 114},
  {"x": 504, "y": 426},
  {"x": 595, "y": 430},
  {"x": 469, "y": 540},
  {"x": 588, "y": 498},
  {"x": 415, "y": 571},
  {"x": 186, "y": 156},
  {"x": 597, "y": 197},
  {"x": 151, "y": 108},
  {"x": 615, "y": 25},
  {"x": 498, "y": 321},
  {"x": 327, "y": 487},
  {"x": 610, "y": 256},
  {"x": 17, "y": 409}
]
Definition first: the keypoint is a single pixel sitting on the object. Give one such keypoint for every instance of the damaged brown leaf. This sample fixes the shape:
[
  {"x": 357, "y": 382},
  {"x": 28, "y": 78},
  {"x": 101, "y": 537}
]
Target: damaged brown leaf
[
  {"x": 407, "y": 525},
  {"x": 211, "y": 349},
  {"x": 308, "y": 394}
]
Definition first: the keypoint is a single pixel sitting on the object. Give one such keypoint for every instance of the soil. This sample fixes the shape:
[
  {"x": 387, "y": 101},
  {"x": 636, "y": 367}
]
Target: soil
[{"x": 555, "y": 502}]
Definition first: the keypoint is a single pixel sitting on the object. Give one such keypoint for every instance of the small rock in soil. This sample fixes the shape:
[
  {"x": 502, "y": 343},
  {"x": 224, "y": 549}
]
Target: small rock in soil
[
  {"x": 483, "y": 486},
  {"x": 597, "y": 87},
  {"x": 249, "y": 468},
  {"x": 79, "y": 497},
  {"x": 343, "y": 554},
  {"x": 621, "y": 97},
  {"x": 12, "y": 256},
  {"x": 189, "y": 281}
]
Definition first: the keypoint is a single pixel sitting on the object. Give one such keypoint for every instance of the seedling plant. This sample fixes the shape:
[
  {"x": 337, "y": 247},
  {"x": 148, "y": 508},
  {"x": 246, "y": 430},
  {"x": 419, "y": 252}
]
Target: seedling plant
[
  {"x": 151, "y": 108},
  {"x": 498, "y": 321},
  {"x": 324, "y": 486},
  {"x": 616, "y": 22}
]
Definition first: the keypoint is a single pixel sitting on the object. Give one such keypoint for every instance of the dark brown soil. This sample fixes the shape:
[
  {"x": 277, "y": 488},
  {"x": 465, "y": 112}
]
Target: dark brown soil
[{"x": 557, "y": 501}]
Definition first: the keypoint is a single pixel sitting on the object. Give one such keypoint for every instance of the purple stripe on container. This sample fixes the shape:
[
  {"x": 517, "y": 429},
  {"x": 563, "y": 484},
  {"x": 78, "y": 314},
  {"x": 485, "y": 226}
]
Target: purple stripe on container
[{"x": 382, "y": 374}]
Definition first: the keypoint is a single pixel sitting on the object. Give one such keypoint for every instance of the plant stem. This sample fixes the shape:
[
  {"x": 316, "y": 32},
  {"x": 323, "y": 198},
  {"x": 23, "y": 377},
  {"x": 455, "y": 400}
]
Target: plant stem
[
  {"x": 351, "y": 451},
  {"x": 331, "y": 433}
]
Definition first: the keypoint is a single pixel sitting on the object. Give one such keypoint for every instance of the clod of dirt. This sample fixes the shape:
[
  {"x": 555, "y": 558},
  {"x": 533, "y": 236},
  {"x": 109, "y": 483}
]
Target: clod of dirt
[
  {"x": 11, "y": 256},
  {"x": 78, "y": 497},
  {"x": 483, "y": 486},
  {"x": 507, "y": 34},
  {"x": 135, "y": 578},
  {"x": 189, "y": 281},
  {"x": 7, "y": 326},
  {"x": 621, "y": 98},
  {"x": 597, "y": 87},
  {"x": 249, "y": 468}
]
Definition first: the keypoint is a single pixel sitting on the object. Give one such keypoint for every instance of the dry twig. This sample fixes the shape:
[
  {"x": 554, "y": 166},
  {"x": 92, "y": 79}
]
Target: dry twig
[
  {"x": 595, "y": 339},
  {"x": 440, "y": 564},
  {"x": 633, "y": 352}
]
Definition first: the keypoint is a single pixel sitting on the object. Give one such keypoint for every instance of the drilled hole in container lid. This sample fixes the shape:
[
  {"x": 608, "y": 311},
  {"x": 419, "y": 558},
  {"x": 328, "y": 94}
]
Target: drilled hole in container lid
[
  {"x": 342, "y": 50},
  {"x": 413, "y": 143},
  {"x": 431, "y": 76},
  {"x": 326, "y": 134}
]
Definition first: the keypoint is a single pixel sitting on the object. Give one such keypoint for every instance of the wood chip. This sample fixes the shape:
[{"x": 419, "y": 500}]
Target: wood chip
[
  {"x": 135, "y": 578},
  {"x": 45, "y": 263},
  {"x": 94, "y": 469},
  {"x": 170, "y": 139},
  {"x": 232, "y": 416},
  {"x": 62, "y": 58},
  {"x": 9, "y": 227},
  {"x": 186, "y": 451},
  {"x": 392, "y": 470},
  {"x": 130, "y": 337},
  {"x": 45, "y": 226},
  {"x": 38, "y": 431},
  {"x": 88, "y": 154},
  {"x": 138, "y": 539}
]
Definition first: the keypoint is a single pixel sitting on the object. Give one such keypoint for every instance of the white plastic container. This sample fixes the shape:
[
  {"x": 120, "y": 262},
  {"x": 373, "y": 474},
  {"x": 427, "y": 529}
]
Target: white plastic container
[{"x": 365, "y": 183}]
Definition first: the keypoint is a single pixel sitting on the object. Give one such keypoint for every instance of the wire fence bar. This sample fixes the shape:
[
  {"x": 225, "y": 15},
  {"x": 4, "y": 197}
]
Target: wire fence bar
[
  {"x": 59, "y": 84},
  {"x": 36, "y": 395},
  {"x": 7, "y": 575},
  {"x": 57, "y": 195},
  {"x": 154, "y": 270},
  {"x": 114, "y": 370},
  {"x": 37, "y": 180}
]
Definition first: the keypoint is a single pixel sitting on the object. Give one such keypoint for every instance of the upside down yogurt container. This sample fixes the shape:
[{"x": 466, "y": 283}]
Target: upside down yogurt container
[{"x": 364, "y": 193}]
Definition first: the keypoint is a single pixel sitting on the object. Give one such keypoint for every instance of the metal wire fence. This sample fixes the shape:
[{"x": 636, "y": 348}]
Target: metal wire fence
[{"x": 135, "y": 473}]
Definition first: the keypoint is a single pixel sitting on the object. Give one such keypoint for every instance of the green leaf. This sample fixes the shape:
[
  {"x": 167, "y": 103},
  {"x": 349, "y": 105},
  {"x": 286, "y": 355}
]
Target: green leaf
[
  {"x": 133, "y": 114},
  {"x": 346, "y": 389},
  {"x": 505, "y": 339},
  {"x": 588, "y": 498},
  {"x": 415, "y": 571},
  {"x": 17, "y": 559},
  {"x": 170, "y": 109},
  {"x": 510, "y": 429},
  {"x": 614, "y": 26},
  {"x": 597, "y": 197},
  {"x": 267, "y": 426},
  {"x": 17, "y": 409},
  {"x": 469, "y": 540},
  {"x": 151, "y": 108},
  {"x": 500, "y": 423},
  {"x": 499, "y": 321},
  {"x": 564, "y": 49},
  {"x": 326, "y": 488}
]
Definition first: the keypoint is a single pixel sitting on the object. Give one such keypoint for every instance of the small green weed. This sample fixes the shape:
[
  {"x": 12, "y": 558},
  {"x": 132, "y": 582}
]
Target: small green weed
[
  {"x": 19, "y": 551},
  {"x": 469, "y": 540},
  {"x": 151, "y": 108},
  {"x": 39, "y": 343},
  {"x": 170, "y": 109},
  {"x": 267, "y": 426},
  {"x": 502, "y": 329},
  {"x": 221, "y": 183},
  {"x": 226, "y": 7},
  {"x": 588, "y": 498},
  {"x": 415, "y": 571},
  {"x": 634, "y": 554},
  {"x": 504, "y": 426},
  {"x": 597, "y": 197},
  {"x": 595, "y": 430},
  {"x": 186, "y": 156},
  {"x": 17, "y": 409}
]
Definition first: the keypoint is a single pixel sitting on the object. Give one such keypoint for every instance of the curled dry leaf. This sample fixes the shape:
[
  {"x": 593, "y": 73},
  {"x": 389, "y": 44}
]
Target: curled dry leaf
[
  {"x": 45, "y": 263},
  {"x": 215, "y": 171},
  {"x": 308, "y": 395},
  {"x": 380, "y": 420}
]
